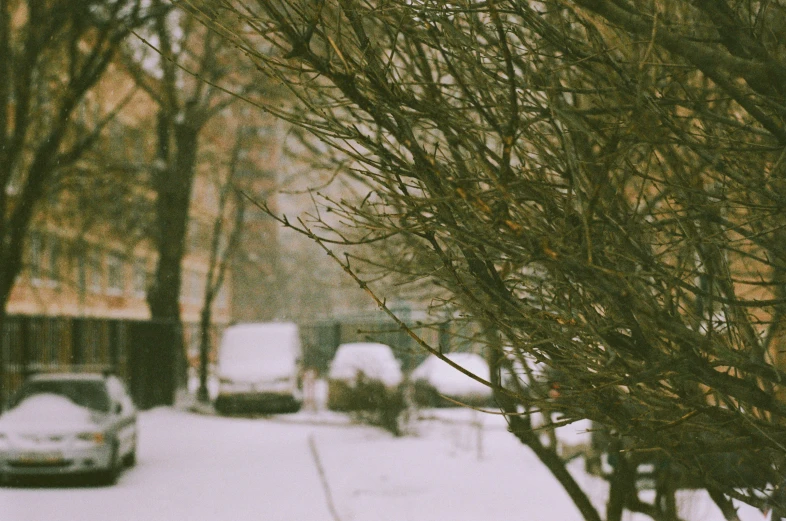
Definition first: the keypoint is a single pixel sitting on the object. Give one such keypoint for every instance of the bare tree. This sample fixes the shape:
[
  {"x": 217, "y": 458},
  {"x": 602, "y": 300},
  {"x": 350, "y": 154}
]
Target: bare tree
[
  {"x": 225, "y": 237},
  {"x": 182, "y": 67},
  {"x": 597, "y": 184},
  {"x": 51, "y": 55}
]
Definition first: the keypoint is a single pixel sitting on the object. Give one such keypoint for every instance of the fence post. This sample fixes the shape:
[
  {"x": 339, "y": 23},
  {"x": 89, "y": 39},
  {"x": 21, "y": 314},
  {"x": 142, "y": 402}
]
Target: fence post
[
  {"x": 5, "y": 360},
  {"x": 77, "y": 350},
  {"x": 24, "y": 345},
  {"x": 113, "y": 344}
]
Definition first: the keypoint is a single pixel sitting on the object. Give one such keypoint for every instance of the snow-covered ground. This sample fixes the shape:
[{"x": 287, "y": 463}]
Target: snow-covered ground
[
  {"x": 455, "y": 465},
  {"x": 461, "y": 465}
]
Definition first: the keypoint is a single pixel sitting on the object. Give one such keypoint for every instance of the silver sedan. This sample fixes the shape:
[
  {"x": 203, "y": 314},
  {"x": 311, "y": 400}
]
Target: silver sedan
[{"x": 68, "y": 424}]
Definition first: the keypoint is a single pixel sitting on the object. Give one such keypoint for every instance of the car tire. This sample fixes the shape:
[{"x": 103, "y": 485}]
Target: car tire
[
  {"x": 291, "y": 407},
  {"x": 109, "y": 476},
  {"x": 221, "y": 406},
  {"x": 130, "y": 459}
]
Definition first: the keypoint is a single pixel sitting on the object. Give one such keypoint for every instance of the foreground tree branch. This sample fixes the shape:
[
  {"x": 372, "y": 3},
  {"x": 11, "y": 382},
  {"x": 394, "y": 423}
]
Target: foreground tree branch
[{"x": 597, "y": 183}]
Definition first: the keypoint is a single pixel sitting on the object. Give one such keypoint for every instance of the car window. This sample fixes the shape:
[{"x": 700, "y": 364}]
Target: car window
[
  {"x": 120, "y": 394},
  {"x": 91, "y": 394}
]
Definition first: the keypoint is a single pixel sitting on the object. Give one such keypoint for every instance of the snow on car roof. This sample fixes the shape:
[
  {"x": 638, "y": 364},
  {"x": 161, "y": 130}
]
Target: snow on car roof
[
  {"x": 257, "y": 351},
  {"x": 270, "y": 328},
  {"x": 48, "y": 408},
  {"x": 373, "y": 359},
  {"x": 450, "y": 381},
  {"x": 67, "y": 376},
  {"x": 85, "y": 389}
]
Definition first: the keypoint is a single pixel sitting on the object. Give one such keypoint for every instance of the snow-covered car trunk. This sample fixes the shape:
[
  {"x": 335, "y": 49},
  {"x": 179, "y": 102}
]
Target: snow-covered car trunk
[
  {"x": 363, "y": 376},
  {"x": 259, "y": 368},
  {"x": 437, "y": 384}
]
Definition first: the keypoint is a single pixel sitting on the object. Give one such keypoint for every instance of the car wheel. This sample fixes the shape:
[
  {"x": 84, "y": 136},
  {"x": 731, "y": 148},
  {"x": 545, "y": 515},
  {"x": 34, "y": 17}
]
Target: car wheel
[
  {"x": 109, "y": 476},
  {"x": 130, "y": 459},
  {"x": 290, "y": 407}
]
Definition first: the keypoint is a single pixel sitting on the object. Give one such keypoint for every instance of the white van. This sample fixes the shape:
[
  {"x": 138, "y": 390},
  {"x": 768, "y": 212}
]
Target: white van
[{"x": 259, "y": 368}]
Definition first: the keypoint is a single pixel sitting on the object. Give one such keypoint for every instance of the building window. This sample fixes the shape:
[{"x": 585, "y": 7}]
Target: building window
[
  {"x": 223, "y": 243},
  {"x": 194, "y": 235},
  {"x": 36, "y": 253},
  {"x": 115, "y": 277},
  {"x": 96, "y": 281},
  {"x": 140, "y": 278},
  {"x": 221, "y": 298},
  {"x": 195, "y": 287},
  {"x": 53, "y": 272},
  {"x": 191, "y": 290},
  {"x": 81, "y": 273}
]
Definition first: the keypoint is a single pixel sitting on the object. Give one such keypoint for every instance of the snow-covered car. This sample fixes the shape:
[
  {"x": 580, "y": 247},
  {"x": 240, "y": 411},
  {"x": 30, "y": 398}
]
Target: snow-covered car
[
  {"x": 434, "y": 379},
  {"x": 259, "y": 368},
  {"x": 69, "y": 423},
  {"x": 361, "y": 373}
]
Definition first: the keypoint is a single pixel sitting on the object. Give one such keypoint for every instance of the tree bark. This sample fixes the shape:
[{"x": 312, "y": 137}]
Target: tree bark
[{"x": 173, "y": 186}]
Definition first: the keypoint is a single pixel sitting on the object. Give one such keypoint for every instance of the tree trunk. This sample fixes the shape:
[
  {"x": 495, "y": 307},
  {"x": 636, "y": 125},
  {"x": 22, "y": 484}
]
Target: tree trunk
[
  {"x": 173, "y": 186},
  {"x": 14, "y": 231},
  {"x": 203, "y": 395},
  {"x": 724, "y": 504},
  {"x": 621, "y": 483},
  {"x": 549, "y": 457}
]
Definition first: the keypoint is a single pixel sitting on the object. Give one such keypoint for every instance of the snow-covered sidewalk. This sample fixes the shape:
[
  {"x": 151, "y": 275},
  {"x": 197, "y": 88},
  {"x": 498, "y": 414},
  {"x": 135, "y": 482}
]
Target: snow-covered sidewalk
[
  {"x": 455, "y": 464},
  {"x": 461, "y": 465}
]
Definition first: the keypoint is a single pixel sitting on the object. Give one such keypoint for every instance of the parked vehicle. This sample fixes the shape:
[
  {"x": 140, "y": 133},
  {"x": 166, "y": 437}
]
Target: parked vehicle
[
  {"x": 69, "y": 423},
  {"x": 361, "y": 375},
  {"x": 259, "y": 368},
  {"x": 438, "y": 384}
]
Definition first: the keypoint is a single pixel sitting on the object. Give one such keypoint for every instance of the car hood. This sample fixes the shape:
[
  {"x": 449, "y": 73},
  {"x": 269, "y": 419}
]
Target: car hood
[{"x": 49, "y": 413}]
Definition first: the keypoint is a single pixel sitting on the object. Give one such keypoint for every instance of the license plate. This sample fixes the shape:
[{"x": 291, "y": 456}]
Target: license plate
[{"x": 41, "y": 458}]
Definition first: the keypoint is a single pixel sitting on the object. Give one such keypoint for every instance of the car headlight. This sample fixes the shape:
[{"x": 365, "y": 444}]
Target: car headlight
[{"x": 96, "y": 438}]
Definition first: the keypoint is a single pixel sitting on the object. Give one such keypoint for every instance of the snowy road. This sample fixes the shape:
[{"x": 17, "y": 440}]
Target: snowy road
[
  {"x": 205, "y": 468},
  {"x": 193, "y": 468}
]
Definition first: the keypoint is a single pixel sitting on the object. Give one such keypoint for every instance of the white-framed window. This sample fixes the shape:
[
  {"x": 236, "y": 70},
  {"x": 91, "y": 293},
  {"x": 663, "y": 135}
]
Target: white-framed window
[
  {"x": 195, "y": 231},
  {"x": 95, "y": 282},
  {"x": 139, "y": 281},
  {"x": 81, "y": 273},
  {"x": 36, "y": 257},
  {"x": 115, "y": 276},
  {"x": 53, "y": 266},
  {"x": 222, "y": 299},
  {"x": 223, "y": 243},
  {"x": 194, "y": 286},
  {"x": 191, "y": 290}
]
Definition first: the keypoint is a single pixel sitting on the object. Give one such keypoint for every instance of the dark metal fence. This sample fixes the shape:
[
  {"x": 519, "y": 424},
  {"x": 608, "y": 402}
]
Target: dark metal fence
[
  {"x": 139, "y": 351},
  {"x": 142, "y": 353},
  {"x": 321, "y": 339}
]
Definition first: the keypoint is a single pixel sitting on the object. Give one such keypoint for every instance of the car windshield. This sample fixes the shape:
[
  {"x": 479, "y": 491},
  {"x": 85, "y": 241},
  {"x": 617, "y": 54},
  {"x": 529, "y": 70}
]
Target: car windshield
[{"x": 91, "y": 394}]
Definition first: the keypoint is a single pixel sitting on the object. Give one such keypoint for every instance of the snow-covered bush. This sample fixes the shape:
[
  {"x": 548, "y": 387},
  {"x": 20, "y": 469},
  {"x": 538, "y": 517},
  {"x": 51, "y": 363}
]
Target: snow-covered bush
[
  {"x": 364, "y": 379},
  {"x": 376, "y": 361}
]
